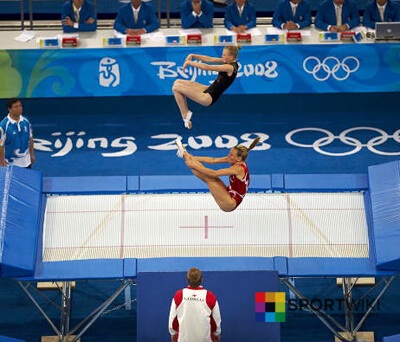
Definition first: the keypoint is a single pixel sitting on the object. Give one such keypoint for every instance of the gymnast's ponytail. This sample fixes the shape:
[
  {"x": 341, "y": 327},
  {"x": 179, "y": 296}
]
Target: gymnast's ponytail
[{"x": 243, "y": 151}]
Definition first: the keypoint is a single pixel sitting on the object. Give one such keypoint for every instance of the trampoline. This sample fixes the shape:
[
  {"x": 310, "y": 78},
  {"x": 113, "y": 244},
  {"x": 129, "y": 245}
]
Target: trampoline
[{"x": 119, "y": 227}]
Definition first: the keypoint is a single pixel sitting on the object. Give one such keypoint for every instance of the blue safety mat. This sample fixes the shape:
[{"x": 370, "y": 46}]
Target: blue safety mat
[
  {"x": 331, "y": 133},
  {"x": 19, "y": 220}
]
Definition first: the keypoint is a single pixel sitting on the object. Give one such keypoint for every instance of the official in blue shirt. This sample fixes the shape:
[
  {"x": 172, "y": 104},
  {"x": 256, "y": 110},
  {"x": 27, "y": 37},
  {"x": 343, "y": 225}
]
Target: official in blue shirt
[
  {"x": 240, "y": 16},
  {"x": 346, "y": 19},
  {"x": 197, "y": 14},
  {"x": 375, "y": 9},
  {"x": 16, "y": 137},
  {"x": 292, "y": 14},
  {"x": 78, "y": 16},
  {"x": 136, "y": 18}
]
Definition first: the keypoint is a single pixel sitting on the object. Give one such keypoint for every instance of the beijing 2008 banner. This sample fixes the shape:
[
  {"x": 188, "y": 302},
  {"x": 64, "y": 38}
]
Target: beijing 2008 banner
[{"x": 264, "y": 69}]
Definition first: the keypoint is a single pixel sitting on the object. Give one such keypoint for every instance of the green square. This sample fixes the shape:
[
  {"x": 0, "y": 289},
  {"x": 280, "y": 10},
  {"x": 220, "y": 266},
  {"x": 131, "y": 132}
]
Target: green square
[
  {"x": 280, "y": 307},
  {"x": 280, "y": 317}
]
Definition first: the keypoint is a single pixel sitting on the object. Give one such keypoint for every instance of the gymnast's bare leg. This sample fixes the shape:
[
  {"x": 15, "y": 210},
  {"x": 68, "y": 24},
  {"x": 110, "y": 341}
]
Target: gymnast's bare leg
[{"x": 183, "y": 90}]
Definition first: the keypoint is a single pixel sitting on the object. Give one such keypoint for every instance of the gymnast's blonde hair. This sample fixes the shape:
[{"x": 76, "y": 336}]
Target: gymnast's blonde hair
[
  {"x": 233, "y": 50},
  {"x": 243, "y": 151}
]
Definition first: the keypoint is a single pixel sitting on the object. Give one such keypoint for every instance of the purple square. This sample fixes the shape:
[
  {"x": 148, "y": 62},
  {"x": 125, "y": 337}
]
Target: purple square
[{"x": 260, "y": 307}]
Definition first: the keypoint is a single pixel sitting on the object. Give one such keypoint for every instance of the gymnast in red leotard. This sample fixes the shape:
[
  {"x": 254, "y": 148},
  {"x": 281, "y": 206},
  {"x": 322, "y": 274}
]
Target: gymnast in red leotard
[{"x": 227, "y": 197}]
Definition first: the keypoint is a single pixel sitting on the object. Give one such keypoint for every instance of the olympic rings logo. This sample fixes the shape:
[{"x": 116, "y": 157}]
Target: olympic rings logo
[
  {"x": 346, "y": 138},
  {"x": 331, "y": 66}
]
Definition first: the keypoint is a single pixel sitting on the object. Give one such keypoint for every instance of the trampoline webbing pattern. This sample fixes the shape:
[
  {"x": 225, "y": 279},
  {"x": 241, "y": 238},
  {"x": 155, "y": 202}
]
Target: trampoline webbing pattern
[{"x": 190, "y": 225}]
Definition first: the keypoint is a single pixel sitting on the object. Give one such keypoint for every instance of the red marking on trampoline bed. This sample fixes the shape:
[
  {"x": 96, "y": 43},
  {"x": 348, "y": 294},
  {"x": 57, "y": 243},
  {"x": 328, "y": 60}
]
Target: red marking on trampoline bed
[
  {"x": 121, "y": 252},
  {"x": 206, "y": 227}
]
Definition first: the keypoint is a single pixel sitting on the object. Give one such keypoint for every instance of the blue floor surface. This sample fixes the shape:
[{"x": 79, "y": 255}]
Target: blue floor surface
[{"x": 332, "y": 133}]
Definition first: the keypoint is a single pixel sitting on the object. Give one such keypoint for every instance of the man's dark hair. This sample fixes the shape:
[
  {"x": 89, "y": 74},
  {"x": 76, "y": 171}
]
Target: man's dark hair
[{"x": 11, "y": 101}]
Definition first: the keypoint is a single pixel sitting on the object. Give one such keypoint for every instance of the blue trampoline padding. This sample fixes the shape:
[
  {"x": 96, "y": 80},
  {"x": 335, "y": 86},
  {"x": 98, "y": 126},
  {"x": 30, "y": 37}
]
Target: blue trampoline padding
[
  {"x": 325, "y": 182},
  {"x": 9, "y": 339},
  {"x": 384, "y": 184},
  {"x": 335, "y": 267},
  {"x": 84, "y": 185},
  {"x": 19, "y": 222},
  {"x": 79, "y": 269},
  {"x": 277, "y": 181},
  {"x": 171, "y": 184},
  {"x": 394, "y": 338},
  {"x": 130, "y": 268},
  {"x": 132, "y": 184},
  {"x": 281, "y": 265},
  {"x": 205, "y": 264},
  {"x": 369, "y": 219},
  {"x": 260, "y": 183}
]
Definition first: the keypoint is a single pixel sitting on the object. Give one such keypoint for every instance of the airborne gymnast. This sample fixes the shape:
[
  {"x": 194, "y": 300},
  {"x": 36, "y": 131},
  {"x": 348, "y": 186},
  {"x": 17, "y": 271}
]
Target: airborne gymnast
[
  {"x": 227, "y": 68},
  {"x": 229, "y": 197}
]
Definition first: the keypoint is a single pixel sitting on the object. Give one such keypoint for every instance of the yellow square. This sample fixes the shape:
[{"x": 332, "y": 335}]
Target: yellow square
[{"x": 280, "y": 297}]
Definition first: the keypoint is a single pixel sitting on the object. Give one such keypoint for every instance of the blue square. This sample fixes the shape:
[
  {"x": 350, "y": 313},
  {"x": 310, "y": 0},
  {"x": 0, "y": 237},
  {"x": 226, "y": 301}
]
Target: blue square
[
  {"x": 270, "y": 317},
  {"x": 260, "y": 317}
]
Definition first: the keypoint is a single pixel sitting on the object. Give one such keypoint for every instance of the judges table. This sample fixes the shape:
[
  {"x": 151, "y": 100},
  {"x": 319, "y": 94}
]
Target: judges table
[{"x": 98, "y": 68}]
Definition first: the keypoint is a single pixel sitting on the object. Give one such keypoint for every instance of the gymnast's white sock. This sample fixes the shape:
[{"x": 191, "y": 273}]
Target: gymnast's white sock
[
  {"x": 181, "y": 148},
  {"x": 187, "y": 119}
]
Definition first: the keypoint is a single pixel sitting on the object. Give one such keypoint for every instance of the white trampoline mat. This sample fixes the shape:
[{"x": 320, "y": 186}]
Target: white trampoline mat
[{"x": 191, "y": 225}]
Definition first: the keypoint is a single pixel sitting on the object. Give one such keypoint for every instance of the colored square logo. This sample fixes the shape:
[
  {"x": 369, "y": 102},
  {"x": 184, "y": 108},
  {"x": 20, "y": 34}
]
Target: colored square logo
[{"x": 270, "y": 307}]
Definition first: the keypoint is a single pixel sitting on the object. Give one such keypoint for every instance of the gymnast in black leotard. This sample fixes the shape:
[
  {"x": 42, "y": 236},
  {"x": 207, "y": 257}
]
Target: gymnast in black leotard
[{"x": 227, "y": 68}]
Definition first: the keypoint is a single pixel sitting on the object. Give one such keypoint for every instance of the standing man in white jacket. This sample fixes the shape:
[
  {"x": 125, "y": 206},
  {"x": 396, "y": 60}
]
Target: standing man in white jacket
[{"x": 194, "y": 315}]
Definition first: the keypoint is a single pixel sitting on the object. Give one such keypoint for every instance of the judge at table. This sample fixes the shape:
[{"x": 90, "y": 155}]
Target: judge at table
[
  {"x": 136, "y": 18},
  {"x": 78, "y": 16},
  {"x": 337, "y": 16}
]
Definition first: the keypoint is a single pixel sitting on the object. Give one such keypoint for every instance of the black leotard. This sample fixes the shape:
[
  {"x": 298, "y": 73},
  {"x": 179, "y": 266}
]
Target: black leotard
[{"x": 221, "y": 83}]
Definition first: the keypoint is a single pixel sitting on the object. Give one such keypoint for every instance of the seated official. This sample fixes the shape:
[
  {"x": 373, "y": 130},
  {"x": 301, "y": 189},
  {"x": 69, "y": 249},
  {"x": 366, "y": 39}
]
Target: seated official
[
  {"x": 136, "y": 18},
  {"x": 78, "y": 16},
  {"x": 337, "y": 16},
  {"x": 381, "y": 11},
  {"x": 197, "y": 14},
  {"x": 240, "y": 16},
  {"x": 292, "y": 15}
]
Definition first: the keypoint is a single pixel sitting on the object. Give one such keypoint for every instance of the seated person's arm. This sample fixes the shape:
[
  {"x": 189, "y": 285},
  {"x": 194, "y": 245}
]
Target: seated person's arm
[
  {"x": 320, "y": 21},
  {"x": 90, "y": 20},
  {"x": 354, "y": 16},
  {"x": 187, "y": 17},
  {"x": 228, "y": 21},
  {"x": 66, "y": 15},
  {"x": 152, "y": 23},
  {"x": 119, "y": 24},
  {"x": 277, "y": 18},
  {"x": 252, "y": 18},
  {"x": 206, "y": 18},
  {"x": 306, "y": 17}
]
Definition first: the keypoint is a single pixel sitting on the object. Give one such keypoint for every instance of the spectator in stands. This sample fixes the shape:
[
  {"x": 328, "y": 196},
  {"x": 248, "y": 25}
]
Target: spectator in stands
[
  {"x": 292, "y": 15},
  {"x": 337, "y": 16},
  {"x": 78, "y": 16},
  {"x": 381, "y": 11},
  {"x": 136, "y": 18},
  {"x": 197, "y": 14},
  {"x": 16, "y": 137},
  {"x": 194, "y": 313},
  {"x": 240, "y": 16}
]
